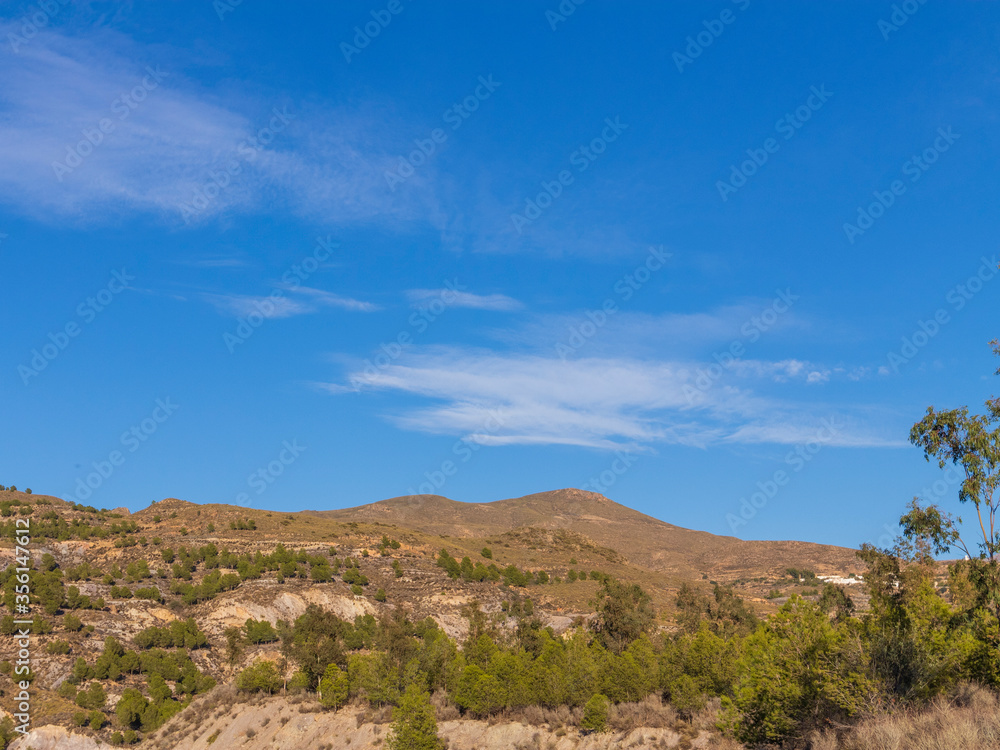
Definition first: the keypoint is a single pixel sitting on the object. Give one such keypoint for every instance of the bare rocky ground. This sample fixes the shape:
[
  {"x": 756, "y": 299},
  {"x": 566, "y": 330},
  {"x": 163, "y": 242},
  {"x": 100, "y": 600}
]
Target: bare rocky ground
[{"x": 278, "y": 723}]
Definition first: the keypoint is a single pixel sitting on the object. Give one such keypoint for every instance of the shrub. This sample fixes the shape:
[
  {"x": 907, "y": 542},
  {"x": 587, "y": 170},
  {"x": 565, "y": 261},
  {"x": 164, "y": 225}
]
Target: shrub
[
  {"x": 149, "y": 592},
  {"x": 380, "y": 595},
  {"x": 93, "y": 697},
  {"x": 299, "y": 682},
  {"x": 72, "y": 623},
  {"x": 487, "y": 553},
  {"x": 68, "y": 691},
  {"x": 57, "y": 647}
]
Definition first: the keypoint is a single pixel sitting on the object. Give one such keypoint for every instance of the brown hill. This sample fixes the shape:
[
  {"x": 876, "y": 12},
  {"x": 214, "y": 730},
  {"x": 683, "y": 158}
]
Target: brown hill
[{"x": 638, "y": 539}]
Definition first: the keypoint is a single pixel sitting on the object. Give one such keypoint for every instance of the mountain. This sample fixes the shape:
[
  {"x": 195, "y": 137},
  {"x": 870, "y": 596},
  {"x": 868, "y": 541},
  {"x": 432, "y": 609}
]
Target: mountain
[{"x": 638, "y": 539}]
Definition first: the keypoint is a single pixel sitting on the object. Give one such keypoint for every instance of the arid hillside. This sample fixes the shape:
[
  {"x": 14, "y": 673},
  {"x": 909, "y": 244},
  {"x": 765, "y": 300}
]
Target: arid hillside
[{"x": 131, "y": 577}]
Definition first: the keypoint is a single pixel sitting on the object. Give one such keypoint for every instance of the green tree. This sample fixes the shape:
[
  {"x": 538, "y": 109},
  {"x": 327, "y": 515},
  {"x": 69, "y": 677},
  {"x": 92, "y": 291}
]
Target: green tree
[
  {"x": 262, "y": 677},
  {"x": 314, "y": 642},
  {"x": 93, "y": 697},
  {"x": 970, "y": 443},
  {"x": 624, "y": 612},
  {"x": 794, "y": 671},
  {"x": 259, "y": 631},
  {"x": 130, "y": 708},
  {"x": 414, "y": 726},
  {"x": 334, "y": 687},
  {"x": 595, "y": 713}
]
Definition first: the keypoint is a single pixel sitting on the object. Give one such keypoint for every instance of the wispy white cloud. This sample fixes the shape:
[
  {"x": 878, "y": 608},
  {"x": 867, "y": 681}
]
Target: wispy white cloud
[
  {"x": 496, "y": 302},
  {"x": 290, "y": 303},
  {"x": 598, "y": 402},
  {"x": 240, "y": 305},
  {"x": 170, "y": 141},
  {"x": 320, "y": 297}
]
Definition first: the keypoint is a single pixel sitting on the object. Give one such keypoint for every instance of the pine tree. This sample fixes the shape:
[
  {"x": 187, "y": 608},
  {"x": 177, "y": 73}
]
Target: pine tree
[{"x": 414, "y": 726}]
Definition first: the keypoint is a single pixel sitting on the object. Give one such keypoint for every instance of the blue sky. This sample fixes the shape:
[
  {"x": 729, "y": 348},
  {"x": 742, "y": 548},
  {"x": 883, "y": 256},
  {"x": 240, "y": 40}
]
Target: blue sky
[{"x": 317, "y": 256}]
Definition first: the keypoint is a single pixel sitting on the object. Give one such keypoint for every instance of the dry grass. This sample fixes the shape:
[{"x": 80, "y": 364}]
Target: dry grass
[
  {"x": 967, "y": 720},
  {"x": 651, "y": 713},
  {"x": 444, "y": 709}
]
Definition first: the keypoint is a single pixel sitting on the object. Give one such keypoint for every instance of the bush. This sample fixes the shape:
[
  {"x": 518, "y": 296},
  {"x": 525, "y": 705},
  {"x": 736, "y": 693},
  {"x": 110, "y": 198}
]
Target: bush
[
  {"x": 149, "y": 592},
  {"x": 93, "y": 697},
  {"x": 72, "y": 623},
  {"x": 487, "y": 553},
  {"x": 595, "y": 713},
  {"x": 380, "y": 595},
  {"x": 58, "y": 647},
  {"x": 299, "y": 682}
]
